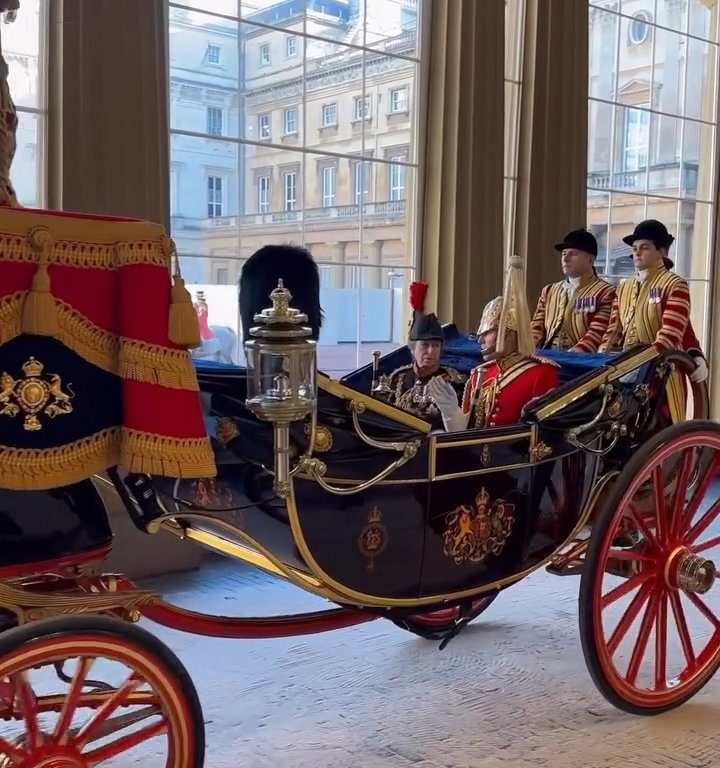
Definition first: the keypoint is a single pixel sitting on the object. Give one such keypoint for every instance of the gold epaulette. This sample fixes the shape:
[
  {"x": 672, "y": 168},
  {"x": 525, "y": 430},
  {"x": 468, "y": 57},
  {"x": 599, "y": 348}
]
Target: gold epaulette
[
  {"x": 454, "y": 375},
  {"x": 399, "y": 370},
  {"x": 544, "y": 360}
]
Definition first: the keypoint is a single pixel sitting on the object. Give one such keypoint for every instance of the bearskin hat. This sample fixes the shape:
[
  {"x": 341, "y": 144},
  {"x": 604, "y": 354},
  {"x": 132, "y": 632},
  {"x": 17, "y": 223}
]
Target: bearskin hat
[{"x": 300, "y": 275}]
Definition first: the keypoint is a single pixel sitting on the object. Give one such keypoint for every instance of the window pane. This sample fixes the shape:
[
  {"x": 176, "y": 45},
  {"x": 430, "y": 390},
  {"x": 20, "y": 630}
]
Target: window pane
[
  {"x": 390, "y": 26},
  {"x": 604, "y": 29},
  {"x": 296, "y": 100},
  {"x": 226, "y": 7},
  {"x": 215, "y": 298},
  {"x": 27, "y": 171},
  {"x": 598, "y": 210},
  {"x": 21, "y": 50}
]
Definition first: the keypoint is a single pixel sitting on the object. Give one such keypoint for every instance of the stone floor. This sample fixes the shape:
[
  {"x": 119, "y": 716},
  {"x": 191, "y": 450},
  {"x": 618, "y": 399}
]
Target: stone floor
[{"x": 511, "y": 692}]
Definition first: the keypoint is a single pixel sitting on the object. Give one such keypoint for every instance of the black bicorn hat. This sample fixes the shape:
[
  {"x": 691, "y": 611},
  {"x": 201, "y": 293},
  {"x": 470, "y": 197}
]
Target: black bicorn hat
[
  {"x": 426, "y": 328},
  {"x": 580, "y": 239}
]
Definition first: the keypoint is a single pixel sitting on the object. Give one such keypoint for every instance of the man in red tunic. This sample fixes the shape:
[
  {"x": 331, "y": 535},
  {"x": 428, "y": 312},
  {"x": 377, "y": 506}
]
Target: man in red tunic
[{"x": 510, "y": 375}]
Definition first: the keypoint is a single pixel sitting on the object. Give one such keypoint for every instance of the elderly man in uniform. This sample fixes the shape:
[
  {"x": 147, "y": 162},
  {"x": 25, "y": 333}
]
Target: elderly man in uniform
[
  {"x": 408, "y": 385},
  {"x": 574, "y": 313},
  {"x": 654, "y": 308},
  {"x": 510, "y": 375}
]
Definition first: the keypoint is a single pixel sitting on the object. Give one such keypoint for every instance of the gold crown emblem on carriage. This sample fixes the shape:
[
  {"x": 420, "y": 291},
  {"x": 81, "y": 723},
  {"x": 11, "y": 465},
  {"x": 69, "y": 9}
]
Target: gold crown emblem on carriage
[{"x": 33, "y": 368}]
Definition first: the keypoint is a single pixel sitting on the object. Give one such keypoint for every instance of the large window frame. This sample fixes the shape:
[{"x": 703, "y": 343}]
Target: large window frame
[{"x": 362, "y": 107}]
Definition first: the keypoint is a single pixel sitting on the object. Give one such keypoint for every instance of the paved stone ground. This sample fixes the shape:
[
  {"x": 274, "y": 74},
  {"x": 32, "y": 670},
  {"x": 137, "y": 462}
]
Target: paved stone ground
[{"x": 511, "y": 692}]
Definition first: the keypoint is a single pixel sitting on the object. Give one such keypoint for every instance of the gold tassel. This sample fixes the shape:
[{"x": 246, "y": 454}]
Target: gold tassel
[
  {"x": 183, "y": 325},
  {"x": 40, "y": 313},
  {"x": 515, "y": 302}
]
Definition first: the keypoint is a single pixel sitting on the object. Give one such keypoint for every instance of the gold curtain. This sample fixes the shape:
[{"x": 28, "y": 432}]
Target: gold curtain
[
  {"x": 108, "y": 121},
  {"x": 462, "y": 239},
  {"x": 552, "y": 164}
]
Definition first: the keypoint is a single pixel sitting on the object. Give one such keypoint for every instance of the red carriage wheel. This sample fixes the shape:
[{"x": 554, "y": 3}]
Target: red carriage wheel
[
  {"x": 437, "y": 624},
  {"x": 88, "y": 691},
  {"x": 649, "y": 615}
]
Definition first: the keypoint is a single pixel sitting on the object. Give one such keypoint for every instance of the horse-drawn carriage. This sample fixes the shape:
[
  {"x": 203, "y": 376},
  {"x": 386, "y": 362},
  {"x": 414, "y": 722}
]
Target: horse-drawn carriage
[{"x": 317, "y": 482}]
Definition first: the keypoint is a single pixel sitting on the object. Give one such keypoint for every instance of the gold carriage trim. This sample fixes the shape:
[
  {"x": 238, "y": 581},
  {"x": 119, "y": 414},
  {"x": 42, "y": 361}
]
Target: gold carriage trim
[
  {"x": 130, "y": 358},
  {"x": 174, "y": 457},
  {"x": 25, "y": 469}
]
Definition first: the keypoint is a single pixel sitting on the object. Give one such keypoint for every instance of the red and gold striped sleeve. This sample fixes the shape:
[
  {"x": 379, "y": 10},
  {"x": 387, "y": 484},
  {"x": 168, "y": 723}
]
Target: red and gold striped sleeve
[
  {"x": 614, "y": 328},
  {"x": 599, "y": 322},
  {"x": 538, "y": 321},
  {"x": 675, "y": 317}
]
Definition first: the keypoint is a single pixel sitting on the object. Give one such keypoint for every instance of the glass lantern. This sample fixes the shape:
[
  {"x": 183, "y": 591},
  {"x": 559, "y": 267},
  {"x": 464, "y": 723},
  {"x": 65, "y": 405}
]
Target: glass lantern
[{"x": 281, "y": 365}]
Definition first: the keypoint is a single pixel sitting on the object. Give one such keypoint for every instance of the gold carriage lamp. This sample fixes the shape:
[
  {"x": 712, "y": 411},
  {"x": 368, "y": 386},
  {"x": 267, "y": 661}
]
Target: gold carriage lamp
[{"x": 281, "y": 363}]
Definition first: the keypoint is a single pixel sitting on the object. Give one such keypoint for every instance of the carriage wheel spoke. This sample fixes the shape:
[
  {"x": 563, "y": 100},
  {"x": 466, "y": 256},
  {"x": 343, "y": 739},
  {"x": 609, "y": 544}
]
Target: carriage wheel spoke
[
  {"x": 29, "y": 710},
  {"x": 700, "y": 604},
  {"x": 682, "y": 628},
  {"x": 641, "y": 524},
  {"x": 12, "y": 751},
  {"x": 676, "y": 522},
  {"x": 629, "y": 617},
  {"x": 661, "y": 643},
  {"x": 709, "y": 544},
  {"x": 627, "y": 586},
  {"x": 660, "y": 507},
  {"x": 629, "y": 554},
  {"x": 703, "y": 523},
  {"x": 124, "y": 744},
  {"x": 72, "y": 700},
  {"x": 87, "y": 732},
  {"x": 642, "y": 641},
  {"x": 700, "y": 493}
]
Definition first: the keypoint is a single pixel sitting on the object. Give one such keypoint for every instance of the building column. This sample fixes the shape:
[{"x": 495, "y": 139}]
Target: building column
[
  {"x": 108, "y": 116},
  {"x": 373, "y": 277},
  {"x": 337, "y": 255},
  {"x": 462, "y": 247},
  {"x": 552, "y": 168}
]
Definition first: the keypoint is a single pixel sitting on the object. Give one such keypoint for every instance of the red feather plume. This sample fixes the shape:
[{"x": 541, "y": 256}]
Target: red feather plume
[{"x": 418, "y": 292}]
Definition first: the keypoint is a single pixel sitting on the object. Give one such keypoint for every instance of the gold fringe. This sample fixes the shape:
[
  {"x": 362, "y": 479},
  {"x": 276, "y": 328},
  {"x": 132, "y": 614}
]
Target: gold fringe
[
  {"x": 39, "y": 313},
  {"x": 85, "y": 255},
  {"x": 23, "y": 469},
  {"x": 157, "y": 365},
  {"x": 154, "y": 455},
  {"x": 129, "y": 358}
]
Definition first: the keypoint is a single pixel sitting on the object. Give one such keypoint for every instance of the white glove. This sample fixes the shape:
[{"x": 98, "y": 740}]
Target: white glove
[
  {"x": 701, "y": 370},
  {"x": 445, "y": 397}
]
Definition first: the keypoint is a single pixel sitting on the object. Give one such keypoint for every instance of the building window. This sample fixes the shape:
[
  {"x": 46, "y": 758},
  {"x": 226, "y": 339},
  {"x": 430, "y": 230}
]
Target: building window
[
  {"x": 329, "y": 115},
  {"x": 264, "y": 54},
  {"x": 328, "y": 186},
  {"x": 397, "y": 179},
  {"x": 213, "y": 54},
  {"x": 221, "y": 276},
  {"x": 362, "y": 107},
  {"x": 264, "y": 126},
  {"x": 263, "y": 194},
  {"x": 214, "y": 121},
  {"x": 290, "y": 47},
  {"x": 637, "y": 135},
  {"x": 290, "y": 188},
  {"x": 639, "y": 29},
  {"x": 214, "y": 197},
  {"x": 362, "y": 182},
  {"x": 325, "y": 276},
  {"x": 291, "y": 120},
  {"x": 399, "y": 100}
]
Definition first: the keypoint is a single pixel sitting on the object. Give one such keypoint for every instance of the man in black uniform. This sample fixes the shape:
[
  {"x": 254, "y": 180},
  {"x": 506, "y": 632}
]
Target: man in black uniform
[{"x": 408, "y": 384}]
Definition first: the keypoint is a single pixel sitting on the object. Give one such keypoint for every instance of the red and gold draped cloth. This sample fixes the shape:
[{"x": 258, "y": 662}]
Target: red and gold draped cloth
[{"x": 89, "y": 375}]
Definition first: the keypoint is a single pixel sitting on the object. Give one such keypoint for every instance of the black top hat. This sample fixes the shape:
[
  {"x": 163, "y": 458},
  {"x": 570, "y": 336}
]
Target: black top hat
[
  {"x": 651, "y": 229},
  {"x": 426, "y": 328},
  {"x": 580, "y": 239}
]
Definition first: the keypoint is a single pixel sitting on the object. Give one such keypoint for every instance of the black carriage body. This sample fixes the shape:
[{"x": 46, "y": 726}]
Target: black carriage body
[{"x": 468, "y": 513}]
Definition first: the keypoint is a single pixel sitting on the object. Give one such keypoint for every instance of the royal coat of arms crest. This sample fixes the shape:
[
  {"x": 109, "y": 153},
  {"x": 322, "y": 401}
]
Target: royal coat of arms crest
[{"x": 476, "y": 531}]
